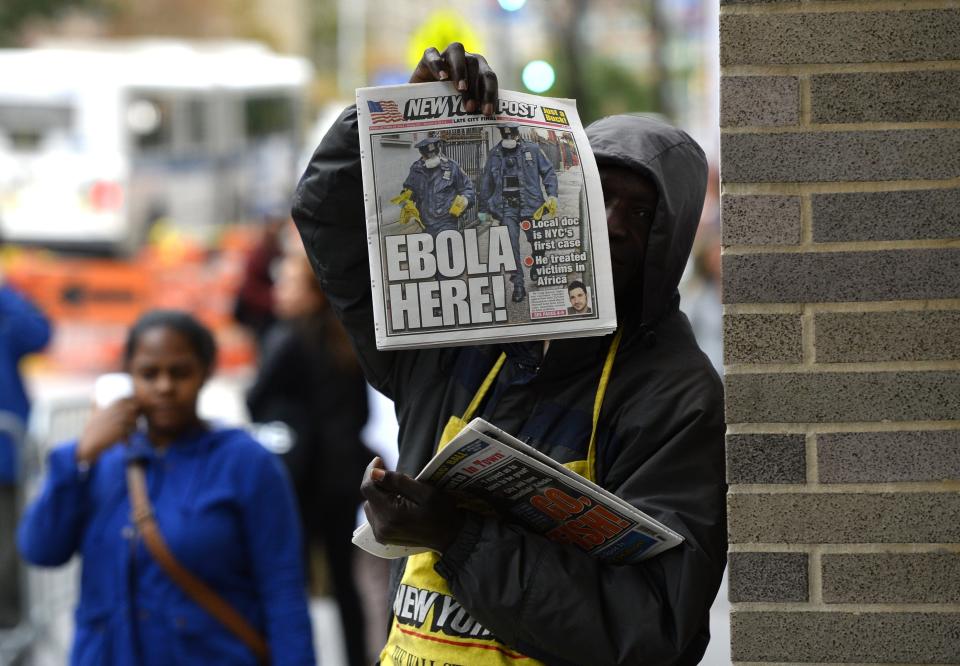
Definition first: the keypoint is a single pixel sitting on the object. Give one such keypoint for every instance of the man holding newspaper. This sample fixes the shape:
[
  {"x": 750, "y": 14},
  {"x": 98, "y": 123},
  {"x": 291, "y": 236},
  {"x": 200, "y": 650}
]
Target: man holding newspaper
[{"x": 639, "y": 412}]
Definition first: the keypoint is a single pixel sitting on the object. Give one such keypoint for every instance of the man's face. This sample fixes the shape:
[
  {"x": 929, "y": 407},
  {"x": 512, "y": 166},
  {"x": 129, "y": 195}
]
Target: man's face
[
  {"x": 578, "y": 299},
  {"x": 631, "y": 201}
]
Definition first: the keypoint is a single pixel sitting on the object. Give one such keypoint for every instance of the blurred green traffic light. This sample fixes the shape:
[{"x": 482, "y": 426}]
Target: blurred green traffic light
[{"x": 538, "y": 76}]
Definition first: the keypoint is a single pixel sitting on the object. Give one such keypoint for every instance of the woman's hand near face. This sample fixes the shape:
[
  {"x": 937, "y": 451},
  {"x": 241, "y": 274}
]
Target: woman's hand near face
[{"x": 106, "y": 427}]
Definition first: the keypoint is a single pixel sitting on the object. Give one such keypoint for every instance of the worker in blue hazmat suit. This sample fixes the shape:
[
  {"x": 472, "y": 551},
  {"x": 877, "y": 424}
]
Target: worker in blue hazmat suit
[
  {"x": 511, "y": 192},
  {"x": 436, "y": 191}
]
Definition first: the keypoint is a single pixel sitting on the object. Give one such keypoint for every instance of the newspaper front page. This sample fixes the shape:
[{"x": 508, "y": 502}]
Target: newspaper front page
[
  {"x": 481, "y": 227},
  {"x": 490, "y": 471}
]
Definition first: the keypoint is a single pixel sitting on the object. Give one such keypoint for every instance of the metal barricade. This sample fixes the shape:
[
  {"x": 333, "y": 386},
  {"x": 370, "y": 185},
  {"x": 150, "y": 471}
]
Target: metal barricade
[
  {"x": 16, "y": 639},
  {"x": 468, "y": 148},
  {"x": 48, "y": 595}
]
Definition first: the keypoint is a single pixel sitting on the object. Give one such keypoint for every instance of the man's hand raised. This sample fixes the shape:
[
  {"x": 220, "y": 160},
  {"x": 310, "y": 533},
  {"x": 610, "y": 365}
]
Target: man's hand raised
[
  {"x": 469, "y": 71},
  {"x": 404, "y": 511}
]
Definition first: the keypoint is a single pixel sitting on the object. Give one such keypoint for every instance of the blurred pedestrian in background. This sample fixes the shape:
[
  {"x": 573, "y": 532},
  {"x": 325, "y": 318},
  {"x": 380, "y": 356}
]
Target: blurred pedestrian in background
[
  {"x": 310, "y": 380},
  {"x": 253, "y": 307},
  {"x": 701, "y": 295},
  {"x": 23, "y": 330},
  {"x": 222, "y": 503}
]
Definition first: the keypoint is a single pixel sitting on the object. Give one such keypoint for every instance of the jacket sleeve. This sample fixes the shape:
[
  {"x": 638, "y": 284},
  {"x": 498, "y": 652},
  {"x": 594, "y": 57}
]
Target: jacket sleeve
[
  {"x": 21, "y": 323},
  {"x": 273, "y": 534},
  {"x": 409, "y": 183},
  {"x": 563, "y": 606},
  {"x": 52, "y": 526},
  {"x": 465, "y": 186},
  {"x": 328, "y": 211}
]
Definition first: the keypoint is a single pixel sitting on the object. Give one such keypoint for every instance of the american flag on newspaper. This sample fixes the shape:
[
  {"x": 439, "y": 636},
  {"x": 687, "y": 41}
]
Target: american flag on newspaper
[{"x": 384, "y": 112}]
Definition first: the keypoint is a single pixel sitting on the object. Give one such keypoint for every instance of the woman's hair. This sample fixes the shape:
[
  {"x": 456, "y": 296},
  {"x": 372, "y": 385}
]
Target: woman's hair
[{"x": 198, "y": 335}]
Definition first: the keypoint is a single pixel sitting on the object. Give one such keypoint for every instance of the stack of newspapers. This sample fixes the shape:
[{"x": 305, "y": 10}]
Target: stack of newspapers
[{"x": 488, "y": 470}]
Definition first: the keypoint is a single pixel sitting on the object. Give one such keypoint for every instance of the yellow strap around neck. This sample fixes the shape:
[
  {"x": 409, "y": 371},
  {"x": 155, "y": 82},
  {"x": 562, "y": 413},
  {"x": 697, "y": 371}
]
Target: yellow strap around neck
[
  {"x": 587, "y": 467},
  {"x": 455, "y": 424},
  {"x": 484, "y": 387},
  {"x": 598, "y": 403}
]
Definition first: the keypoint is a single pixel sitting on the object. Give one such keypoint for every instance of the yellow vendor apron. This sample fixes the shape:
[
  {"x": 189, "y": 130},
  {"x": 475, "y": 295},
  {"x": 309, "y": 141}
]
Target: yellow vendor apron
[{"x": 429, "y": 625}]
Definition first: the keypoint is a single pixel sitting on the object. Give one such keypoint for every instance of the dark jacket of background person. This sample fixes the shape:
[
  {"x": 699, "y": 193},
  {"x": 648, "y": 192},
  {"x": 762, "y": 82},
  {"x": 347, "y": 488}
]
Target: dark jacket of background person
[
  {"x": 309, "y": 379},
  {"x": 23, "y": 330},
  {"x": 659, "y": 441},
  {"x": 227, "y": 514},
  {"x": 253, "y": 306},
  {"x": 304, "y": 381}
]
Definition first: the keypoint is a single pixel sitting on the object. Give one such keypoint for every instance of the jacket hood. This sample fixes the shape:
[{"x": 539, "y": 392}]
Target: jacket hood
[{"x": 677, "y": 166}]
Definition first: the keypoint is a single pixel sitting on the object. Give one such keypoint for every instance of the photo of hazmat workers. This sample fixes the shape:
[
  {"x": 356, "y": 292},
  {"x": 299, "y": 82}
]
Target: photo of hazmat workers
[
  {"x": 436, "y": 192},
  {"x": 515, "y": 179},
  {"x": 502, "y": 204}
]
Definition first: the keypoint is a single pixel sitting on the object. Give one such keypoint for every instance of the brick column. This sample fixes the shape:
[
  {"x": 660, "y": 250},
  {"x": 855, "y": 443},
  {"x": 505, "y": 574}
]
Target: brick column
[{"x": 841, "y": 282}]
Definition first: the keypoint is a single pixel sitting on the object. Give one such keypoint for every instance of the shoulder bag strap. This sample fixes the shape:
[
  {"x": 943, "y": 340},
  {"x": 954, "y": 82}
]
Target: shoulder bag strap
[{"x": 196, "y": 589}]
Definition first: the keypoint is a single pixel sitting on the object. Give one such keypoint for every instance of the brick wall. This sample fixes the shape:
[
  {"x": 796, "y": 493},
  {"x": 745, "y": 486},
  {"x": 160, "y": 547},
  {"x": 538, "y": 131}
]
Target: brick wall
[{"x": 841, "y": 270}]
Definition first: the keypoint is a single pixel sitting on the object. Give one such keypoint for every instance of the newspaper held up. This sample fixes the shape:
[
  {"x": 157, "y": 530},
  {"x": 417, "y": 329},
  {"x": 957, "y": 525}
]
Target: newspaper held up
[
  {"x": 489, "y": 470},
  {"x": 481, "y": 227}
]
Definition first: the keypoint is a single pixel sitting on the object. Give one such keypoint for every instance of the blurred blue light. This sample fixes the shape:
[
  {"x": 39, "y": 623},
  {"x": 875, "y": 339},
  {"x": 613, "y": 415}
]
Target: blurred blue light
[
  {"x": 389, "y": 77},
  {"x": 512, "y": 5},
  {"x": 538, "y": 76}
]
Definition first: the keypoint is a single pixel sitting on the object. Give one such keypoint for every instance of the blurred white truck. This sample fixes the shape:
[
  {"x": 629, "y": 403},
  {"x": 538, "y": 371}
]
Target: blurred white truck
[{"x": 100, "y": 140}]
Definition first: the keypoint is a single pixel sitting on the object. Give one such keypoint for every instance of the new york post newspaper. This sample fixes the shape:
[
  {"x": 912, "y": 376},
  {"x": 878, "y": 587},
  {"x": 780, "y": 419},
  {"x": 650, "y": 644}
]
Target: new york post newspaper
[
  {"x": 490, "y": 471},
  {"x": 481, "y": 227}
]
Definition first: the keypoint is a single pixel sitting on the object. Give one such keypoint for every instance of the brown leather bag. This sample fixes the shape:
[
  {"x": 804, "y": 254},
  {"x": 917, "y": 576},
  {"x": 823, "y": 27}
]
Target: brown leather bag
[{"x": 196, "y": 589}]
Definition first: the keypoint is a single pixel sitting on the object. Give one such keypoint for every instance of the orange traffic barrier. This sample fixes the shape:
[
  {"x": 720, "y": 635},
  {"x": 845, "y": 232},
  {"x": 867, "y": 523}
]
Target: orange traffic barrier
[{"x": 92, "y": 301}]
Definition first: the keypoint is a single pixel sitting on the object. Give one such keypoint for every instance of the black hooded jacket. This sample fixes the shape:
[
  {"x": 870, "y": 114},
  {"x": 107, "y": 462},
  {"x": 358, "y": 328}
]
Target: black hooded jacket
[{"x": 659, "y": 439}]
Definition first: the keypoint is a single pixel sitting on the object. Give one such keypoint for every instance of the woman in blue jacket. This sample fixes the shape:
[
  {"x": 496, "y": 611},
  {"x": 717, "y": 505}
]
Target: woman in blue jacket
[{"x": 221, "y": 501}]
